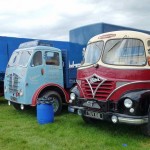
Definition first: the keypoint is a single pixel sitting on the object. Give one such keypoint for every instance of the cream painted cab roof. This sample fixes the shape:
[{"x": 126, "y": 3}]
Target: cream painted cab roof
[{"x": 119, "y": 34}]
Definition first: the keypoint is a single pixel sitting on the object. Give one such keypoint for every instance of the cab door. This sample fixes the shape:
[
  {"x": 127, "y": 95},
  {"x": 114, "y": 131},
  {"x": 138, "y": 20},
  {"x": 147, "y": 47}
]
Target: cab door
[
  {"x": 34, "y": 77},
  {"x": 53, "y": 68}
]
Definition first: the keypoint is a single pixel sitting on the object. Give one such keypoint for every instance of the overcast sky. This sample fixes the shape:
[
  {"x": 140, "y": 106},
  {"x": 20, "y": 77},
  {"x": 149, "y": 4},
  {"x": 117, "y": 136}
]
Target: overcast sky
[{"x": 52, "y": 19}]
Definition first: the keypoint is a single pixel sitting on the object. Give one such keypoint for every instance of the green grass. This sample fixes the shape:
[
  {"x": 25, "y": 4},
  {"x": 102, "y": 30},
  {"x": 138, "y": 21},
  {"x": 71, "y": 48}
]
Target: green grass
[{"x": 20, "y": 131}]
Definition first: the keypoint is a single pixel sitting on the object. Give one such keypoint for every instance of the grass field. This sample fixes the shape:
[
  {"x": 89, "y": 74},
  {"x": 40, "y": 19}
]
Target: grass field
[{"x": 20, "y": 131}]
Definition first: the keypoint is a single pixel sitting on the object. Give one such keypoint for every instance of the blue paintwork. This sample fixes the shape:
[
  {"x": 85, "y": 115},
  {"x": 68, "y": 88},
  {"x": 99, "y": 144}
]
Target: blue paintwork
[{"x": 30, "y": 78}]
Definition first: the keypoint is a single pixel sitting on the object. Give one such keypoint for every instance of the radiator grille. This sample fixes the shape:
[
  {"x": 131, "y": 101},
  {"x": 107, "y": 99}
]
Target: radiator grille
[
  {"x": 13, "y": 82},
  {"x": 99, "y": 90}
]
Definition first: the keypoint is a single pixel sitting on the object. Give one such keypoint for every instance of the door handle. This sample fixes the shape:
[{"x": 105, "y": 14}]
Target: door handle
[{"x": 42, "y": 71}]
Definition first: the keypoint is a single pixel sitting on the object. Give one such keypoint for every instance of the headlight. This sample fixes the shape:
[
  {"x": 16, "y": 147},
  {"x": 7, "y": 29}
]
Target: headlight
[
  {"x": 128, "y": 103},
  {"x": 72, "y": 96},
  {"x": 21, "y": 92},
  {"x": 5, "y": 89}
]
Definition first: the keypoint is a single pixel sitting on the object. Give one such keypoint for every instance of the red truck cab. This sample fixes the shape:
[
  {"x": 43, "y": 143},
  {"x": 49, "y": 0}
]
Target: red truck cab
[{"x": 113, "y": 83}]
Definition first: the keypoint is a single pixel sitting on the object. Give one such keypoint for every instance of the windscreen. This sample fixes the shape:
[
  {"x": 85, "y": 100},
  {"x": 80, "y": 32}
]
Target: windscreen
[
  {"x": 19, "y": 58},
  {"x": 93, "y": 53},
  {"x": 124, "y": 52}
]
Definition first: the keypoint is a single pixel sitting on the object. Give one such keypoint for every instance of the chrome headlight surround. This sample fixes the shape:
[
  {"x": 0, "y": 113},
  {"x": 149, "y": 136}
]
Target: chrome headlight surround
[
  {"x": 72, "y": 96},
  {"x": 21, "y": 92},
  {"x": 128, "y": 103}
]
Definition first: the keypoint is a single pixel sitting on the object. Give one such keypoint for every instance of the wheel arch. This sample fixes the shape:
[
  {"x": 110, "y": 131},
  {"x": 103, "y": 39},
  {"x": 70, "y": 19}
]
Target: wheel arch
[
  {"x": 145, "y": 101},
  {"x": 141, "y": 99},
  {"x": 53, "y": 87}
]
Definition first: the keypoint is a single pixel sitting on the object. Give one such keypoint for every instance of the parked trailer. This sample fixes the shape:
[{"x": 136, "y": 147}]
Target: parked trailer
[{"x": 114, "y": 81}]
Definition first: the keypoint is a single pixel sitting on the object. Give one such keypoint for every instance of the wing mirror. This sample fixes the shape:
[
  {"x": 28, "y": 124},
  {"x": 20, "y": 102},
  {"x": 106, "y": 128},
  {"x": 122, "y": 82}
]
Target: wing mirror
[{"x": 148, "y": 60}]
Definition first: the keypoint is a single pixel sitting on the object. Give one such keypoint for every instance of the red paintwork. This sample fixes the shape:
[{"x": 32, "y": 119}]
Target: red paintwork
[
  {"x": 36, "y": 94},
  {"x": 113, "y": 75},
  {"x": 116, "y": 74},
  {"x": 117, "y": 94}
]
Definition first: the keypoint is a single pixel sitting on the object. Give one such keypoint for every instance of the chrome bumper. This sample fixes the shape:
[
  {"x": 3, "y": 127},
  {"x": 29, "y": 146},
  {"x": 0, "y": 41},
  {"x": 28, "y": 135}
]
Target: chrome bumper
[
  {"x": 133, "y": 120},
  {"x": 121, "y": 118}
]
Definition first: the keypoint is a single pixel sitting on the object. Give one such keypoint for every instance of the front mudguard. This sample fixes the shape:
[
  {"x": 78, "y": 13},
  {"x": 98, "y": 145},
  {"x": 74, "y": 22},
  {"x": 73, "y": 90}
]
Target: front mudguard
[
  {"x": 140, "y": 99},
  {"x": 77, "y": 95},
  {"x": 75, "y": 91}
]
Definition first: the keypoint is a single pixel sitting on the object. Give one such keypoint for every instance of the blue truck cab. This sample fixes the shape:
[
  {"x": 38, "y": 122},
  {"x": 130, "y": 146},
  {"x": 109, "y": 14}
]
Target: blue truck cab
[{"x": 35, "y": 70}]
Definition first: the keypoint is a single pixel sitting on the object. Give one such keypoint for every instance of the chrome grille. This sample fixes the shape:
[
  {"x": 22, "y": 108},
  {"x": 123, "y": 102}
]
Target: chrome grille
[
  {"x": 13, "y": 82},
  {"x": 99, "y": 90}
]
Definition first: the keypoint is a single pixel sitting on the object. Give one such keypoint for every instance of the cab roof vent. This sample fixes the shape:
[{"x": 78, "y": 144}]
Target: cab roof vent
[{"x": 34, "y": 43}]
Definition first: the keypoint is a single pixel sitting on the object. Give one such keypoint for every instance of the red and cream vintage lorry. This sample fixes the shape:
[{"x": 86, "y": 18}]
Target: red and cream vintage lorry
[{"x": 113, "y": 83}]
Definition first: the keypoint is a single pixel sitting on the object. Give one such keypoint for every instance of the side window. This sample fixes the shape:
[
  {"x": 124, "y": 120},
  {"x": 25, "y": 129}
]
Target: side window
[
  {"x": 52, "y": 58},
  {"x": 37, "y": 59}
]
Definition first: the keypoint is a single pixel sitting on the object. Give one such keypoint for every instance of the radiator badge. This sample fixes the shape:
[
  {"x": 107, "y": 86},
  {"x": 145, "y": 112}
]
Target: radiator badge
[{"x": 95, "y": 79}]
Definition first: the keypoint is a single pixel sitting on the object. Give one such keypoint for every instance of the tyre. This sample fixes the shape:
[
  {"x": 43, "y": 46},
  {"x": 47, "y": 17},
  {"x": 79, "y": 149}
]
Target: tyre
[
  {"x": 88, "y": 120},
  {"x": 146, "y": 127},
  {"x": 57, "y": 101}
]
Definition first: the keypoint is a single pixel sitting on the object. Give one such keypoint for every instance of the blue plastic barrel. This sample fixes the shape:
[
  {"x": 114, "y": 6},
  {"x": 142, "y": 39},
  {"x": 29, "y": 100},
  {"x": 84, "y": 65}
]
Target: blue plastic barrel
[{"x": 45, "y": 113}]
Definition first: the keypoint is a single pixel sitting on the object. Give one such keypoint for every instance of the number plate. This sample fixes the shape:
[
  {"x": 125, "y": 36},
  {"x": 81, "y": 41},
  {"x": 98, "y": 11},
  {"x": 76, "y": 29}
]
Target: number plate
[
  {"x": 94, "y": 115},
  {"x": 70, "y": 109},
  {"x": 13, "y": 98}
]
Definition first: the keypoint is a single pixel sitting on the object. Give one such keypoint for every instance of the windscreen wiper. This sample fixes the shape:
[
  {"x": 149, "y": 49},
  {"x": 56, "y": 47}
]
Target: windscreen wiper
[{"x": 119, "y": 42}]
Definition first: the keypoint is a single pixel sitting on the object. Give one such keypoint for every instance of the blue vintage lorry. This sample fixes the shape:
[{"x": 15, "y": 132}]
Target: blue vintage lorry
[
  {"x": 35, "y": 70},
  {"x": 38, "y": 69}
]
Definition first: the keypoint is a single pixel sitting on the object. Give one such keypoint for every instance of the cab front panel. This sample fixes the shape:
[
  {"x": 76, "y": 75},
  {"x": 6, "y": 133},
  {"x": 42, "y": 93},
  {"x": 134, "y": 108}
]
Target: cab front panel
[{"x": 106, "y": 83}]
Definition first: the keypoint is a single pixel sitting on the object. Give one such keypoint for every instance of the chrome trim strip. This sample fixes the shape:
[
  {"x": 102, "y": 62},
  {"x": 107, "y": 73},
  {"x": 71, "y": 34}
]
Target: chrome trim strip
[
  {"x": 125, "y": 85},
  {"x": 77, "y": 107}
]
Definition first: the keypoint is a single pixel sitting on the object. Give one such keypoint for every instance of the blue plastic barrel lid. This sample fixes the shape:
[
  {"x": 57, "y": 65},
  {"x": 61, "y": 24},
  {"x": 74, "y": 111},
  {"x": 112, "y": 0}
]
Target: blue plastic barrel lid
[{"x": 45, "y": 100}]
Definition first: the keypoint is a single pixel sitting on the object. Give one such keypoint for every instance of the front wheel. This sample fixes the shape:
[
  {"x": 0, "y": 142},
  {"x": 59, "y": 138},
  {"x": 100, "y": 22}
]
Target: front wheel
[{"x": 57, "y": 101}]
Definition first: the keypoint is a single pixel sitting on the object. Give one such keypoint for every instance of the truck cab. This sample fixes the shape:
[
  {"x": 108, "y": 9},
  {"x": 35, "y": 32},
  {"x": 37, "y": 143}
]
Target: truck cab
[
  {"x": 35, "y": 70},
  {"x": 113, "y": 83}
]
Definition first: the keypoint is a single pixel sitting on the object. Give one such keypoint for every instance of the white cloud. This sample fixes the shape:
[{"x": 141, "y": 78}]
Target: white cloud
[{"x": 52, "y": 19}]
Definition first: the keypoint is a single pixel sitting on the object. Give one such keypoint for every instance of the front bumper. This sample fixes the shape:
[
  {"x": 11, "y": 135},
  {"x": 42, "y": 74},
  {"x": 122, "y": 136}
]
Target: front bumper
[{"x": 120, "y": 118}]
